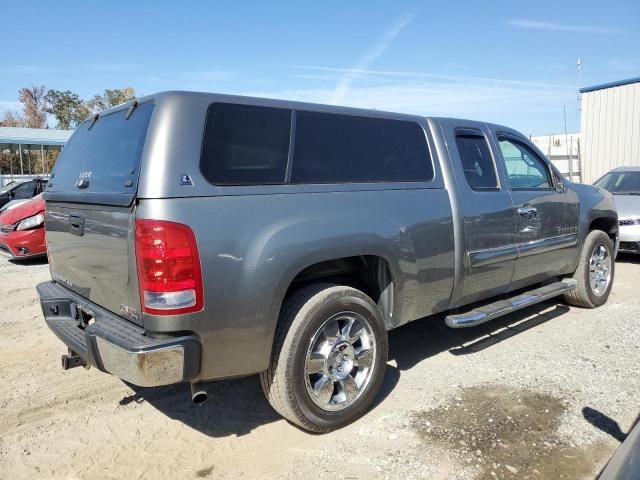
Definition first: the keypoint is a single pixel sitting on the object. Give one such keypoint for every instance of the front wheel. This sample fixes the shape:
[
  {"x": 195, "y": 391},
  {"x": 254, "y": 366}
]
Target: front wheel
[
  {"x": 329, "y": 357},
  {"x": 594, "y": 273}
]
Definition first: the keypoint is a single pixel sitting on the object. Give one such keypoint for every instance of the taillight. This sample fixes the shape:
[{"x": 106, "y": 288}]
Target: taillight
[{"x": 169, "y": 273}]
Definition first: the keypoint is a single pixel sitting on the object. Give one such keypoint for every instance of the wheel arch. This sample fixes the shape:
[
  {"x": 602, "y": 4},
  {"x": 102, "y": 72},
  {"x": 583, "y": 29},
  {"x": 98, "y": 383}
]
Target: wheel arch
[
  {"x": 369, "y": 273},
  {"x": 373, "y": 273},
  {"x": 607, "y": 224}
]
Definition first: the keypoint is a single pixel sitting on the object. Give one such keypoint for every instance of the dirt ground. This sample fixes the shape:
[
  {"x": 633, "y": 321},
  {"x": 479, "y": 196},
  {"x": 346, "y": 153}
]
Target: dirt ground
[{"x": 546, "y": 394}]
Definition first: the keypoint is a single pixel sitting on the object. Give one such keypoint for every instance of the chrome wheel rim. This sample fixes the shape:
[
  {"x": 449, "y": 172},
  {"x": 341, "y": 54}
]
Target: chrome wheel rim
[
  {"x": 339, "y": 361},
  {"x": 600, "y": 270}
]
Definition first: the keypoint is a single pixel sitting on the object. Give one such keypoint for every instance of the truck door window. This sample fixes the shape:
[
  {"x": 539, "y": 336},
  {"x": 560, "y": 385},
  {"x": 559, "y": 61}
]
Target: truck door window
[
  {"x": 525, "y": 169},
  {"x": 477, "y": 162}
]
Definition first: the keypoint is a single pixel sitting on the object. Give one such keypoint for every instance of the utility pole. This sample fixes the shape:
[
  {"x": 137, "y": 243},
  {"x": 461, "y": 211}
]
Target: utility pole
[
  {"x": 578, "y": 117},
  {"x": 566, "y": 141}
]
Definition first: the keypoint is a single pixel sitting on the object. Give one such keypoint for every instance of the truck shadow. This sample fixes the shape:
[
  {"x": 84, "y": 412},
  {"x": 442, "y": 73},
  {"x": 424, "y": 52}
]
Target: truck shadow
[
  {"x": 237, "y": 407},
  {"x": 234, "y": 407},
  {"x": 628, "y": 258},
  {"x": 422, "y": 339}
]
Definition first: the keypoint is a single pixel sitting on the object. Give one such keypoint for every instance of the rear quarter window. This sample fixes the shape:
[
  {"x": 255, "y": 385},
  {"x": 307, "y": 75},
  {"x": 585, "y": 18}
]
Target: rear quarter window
[
  {"x": 107, "y": 154},
  {"x": 333, "y": 148},
  {"x": 245, "y": 145},
  {"x": 477, "y": 162}
]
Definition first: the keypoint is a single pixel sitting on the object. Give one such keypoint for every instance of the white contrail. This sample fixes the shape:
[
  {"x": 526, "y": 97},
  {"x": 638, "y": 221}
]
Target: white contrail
[
  {"x": 344, "y": 84},
  {"x": 436, "y": 76},
  {"x": 563, "y": 27}
]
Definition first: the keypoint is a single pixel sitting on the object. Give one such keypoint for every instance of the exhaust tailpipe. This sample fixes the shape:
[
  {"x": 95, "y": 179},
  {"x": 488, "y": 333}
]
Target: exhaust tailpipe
[{"x": 199, "y": 393}]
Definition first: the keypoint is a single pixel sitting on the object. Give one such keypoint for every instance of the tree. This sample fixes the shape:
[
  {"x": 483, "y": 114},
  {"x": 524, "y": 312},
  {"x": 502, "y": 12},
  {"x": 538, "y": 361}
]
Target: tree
[
  {"x": 67, "y": 107},
  {"x": 34, "y": 105},
  {"x": 111, "y": 98},
  {"x": 13, "y": 119}
]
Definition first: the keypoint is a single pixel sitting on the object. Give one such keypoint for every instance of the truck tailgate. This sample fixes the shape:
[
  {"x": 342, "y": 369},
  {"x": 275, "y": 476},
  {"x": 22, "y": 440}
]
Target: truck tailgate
[
  {"x": 91, "y": 252},
  {"x": 90, "y": 207}
]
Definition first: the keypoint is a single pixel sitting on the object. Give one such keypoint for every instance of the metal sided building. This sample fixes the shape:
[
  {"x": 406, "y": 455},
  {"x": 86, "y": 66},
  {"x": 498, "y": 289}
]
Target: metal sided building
[
  {"x": 29, "y": 152},
  {"x": 610, "y": 127},
  {"x": 563, "y": 150}
]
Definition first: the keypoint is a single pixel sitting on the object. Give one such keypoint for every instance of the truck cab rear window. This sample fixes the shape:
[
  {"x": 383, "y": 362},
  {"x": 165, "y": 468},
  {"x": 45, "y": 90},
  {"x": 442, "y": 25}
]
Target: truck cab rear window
[
  {"x": 332, "y": 148},
  {"x": 245, "y": 145},
  {"x": 105, "y": 154}
]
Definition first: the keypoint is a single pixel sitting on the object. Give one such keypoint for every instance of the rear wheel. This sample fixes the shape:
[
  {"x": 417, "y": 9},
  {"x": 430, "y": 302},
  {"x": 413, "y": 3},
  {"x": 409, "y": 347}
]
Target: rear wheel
[
  {"x": 594, "y": 273},
  {"x": 328, "y": 359}
]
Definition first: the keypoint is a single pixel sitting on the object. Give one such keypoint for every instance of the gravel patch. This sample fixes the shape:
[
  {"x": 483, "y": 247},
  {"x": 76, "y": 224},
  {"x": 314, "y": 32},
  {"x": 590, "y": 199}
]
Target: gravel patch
[{"x": 548, "y": 392}]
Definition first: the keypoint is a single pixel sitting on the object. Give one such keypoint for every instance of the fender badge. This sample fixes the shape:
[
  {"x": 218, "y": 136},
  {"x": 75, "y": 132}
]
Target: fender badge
[
  {"x": 186, "y": 180},
  {"x": 127, "y": 311}
]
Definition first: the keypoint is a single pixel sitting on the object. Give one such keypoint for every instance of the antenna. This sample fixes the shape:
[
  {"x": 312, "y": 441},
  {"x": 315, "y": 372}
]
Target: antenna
[{"x": 579, "y": 99}]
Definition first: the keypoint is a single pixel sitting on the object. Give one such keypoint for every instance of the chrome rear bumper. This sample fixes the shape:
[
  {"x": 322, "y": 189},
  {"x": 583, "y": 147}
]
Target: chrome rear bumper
[{"x": 115, "y": 345}]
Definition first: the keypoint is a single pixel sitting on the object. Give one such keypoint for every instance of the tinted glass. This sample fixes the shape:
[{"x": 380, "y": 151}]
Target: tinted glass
[
  {"x": 621, "y": 183},
  {"x": 333, "y": 148},
  {"x": 476, "y": 162},
  {"x": 525, "y": 169},
  {"x": 107, "y": 154},
  {"x": 245, "y": 145},
  {"x": 26, "y": 190},
  {"x": 9, "y": 186}
]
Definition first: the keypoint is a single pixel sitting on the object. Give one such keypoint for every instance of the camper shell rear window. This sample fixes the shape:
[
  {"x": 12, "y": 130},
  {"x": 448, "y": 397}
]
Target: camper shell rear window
[{"x": 103, "y": 156}]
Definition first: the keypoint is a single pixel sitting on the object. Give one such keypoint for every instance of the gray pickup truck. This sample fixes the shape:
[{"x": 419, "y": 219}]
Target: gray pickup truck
[{"x": 196, "y": 236}]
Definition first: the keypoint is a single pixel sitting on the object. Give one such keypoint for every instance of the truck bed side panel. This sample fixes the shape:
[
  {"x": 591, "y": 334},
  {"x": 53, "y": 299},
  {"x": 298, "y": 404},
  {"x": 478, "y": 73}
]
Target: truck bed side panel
[{"x": 252, "y": 246}]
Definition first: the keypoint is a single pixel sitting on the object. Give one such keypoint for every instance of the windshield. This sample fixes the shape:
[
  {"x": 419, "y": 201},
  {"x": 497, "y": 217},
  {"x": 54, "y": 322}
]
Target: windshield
[{"x": 621, "y": 183}]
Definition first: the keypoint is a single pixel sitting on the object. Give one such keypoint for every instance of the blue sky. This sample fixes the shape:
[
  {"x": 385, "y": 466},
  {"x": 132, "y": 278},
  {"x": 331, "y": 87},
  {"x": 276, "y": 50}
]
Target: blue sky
[{"x": 506, "y": 62}]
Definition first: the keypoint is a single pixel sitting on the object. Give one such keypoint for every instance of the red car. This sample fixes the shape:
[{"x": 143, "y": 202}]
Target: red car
[{"x": 22, "y": 230}]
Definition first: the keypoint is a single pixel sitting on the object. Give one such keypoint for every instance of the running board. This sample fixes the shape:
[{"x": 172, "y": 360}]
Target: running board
[{"x": 503, "y": 307}]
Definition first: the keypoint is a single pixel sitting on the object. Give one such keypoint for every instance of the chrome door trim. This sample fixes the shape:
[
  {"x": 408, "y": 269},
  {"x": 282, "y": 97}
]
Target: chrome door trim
[
  {"x": 480, "y": 258},
  {"x": 547, "y": 244}
]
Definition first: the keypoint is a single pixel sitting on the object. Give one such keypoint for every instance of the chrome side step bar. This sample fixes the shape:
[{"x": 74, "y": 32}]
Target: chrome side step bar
[{"x": 497, "y": 309}]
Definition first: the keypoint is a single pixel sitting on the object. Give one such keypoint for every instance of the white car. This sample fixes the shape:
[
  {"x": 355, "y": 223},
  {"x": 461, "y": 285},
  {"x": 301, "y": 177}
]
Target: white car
[{"x": 624, "y": 183}]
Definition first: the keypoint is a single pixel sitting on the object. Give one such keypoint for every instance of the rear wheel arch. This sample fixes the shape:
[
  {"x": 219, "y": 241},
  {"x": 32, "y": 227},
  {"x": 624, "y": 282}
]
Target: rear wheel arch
[{"x": 372, "y": 274}]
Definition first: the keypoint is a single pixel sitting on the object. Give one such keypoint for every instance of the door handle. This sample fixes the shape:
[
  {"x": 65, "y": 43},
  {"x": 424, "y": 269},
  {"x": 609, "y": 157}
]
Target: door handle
[
  {"x": 76, "y": 224},
  {"x": 528, "y": 212}
]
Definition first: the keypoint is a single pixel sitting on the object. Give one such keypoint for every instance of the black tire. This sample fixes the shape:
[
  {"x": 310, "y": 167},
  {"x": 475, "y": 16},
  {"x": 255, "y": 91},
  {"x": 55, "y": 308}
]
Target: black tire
[
  {"x": 583, "y": 295},
  {"x": 302, "y": 315}
]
